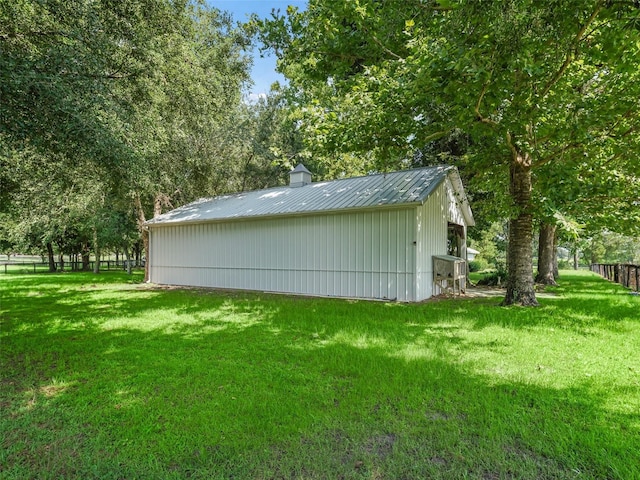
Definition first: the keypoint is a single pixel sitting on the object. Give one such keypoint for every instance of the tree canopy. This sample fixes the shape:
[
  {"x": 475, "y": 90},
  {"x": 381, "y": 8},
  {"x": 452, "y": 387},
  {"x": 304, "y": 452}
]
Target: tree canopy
[
  {"x": 548, "y": 95},
  {"x": 113, "y": 107}
]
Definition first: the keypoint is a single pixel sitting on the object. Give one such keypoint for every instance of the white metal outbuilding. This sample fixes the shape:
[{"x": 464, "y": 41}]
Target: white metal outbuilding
[{"x": 364, "y": 237}]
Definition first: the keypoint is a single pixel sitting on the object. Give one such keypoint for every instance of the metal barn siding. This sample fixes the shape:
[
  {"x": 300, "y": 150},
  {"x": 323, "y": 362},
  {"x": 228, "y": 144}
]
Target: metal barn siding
[
  {"x": 365, "y": 254},
  {"x": 431, "y": 239}
]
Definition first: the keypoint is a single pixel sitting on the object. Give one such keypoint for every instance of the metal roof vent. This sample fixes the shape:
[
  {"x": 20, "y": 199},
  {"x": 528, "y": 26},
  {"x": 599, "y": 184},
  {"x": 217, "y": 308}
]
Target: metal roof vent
[{"x": 299, "y": 176}]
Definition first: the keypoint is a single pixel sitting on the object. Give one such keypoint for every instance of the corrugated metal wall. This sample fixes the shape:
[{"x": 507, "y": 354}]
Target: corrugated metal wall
[
  {"x": 362, "y": 254},
  {"x": 431, "y": 220}
]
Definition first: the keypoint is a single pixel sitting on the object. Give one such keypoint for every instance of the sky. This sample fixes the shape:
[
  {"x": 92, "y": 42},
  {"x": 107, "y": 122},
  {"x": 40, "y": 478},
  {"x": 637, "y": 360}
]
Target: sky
[{"x": 263, "y": 72}]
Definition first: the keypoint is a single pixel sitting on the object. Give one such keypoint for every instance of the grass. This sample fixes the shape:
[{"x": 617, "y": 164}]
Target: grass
[{"x": 102, "y": 377}]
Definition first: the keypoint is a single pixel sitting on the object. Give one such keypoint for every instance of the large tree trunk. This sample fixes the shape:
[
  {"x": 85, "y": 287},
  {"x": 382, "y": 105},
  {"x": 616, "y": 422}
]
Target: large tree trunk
[
  {"x": 144, "y": 233},
  {"x": 86, "y": 257},
  {"x": 61, "y": 260},
  {"x": 145, "y": 245},
  {"x": 520, "y": 286},
  {"x": 96, "y": 251},
  {"x": 556, "y": 272},
  {"x": 128, "y": 259},
  {"x": 136, "y": 254},
  {"x": 545, "y": 255},
  {"x": 160, "y": 200},
  {"x": 52, "y": 259}
]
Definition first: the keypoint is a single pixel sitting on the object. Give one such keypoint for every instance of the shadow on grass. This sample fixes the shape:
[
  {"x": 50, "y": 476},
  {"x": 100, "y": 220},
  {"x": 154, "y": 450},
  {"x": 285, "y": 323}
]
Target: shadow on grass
[
  {"x": 124, "y": 382},
  {"x": 584, "y": 302}
]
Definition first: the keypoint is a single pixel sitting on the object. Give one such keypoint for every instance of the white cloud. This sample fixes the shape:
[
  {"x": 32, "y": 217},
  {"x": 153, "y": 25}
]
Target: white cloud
[{"x": 254, "y": 97}]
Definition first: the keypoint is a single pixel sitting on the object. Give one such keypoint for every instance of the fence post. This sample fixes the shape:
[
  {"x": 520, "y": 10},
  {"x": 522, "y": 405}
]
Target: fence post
[{"x": 627, "y": 277}]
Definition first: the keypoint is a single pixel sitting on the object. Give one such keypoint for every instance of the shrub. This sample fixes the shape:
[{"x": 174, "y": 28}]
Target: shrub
[
  {"x": 497, "y": 277},
  {"x": 565, "y": 264},
  {"x": 478, "y": 264}
]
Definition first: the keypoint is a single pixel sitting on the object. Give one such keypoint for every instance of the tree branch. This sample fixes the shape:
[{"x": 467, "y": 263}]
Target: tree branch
[
  {"x": 612, "y": 158},
  {"x": 53, "y": 33},
  {"x": 479, "y": 116},
  {"x": 381, "y": 45},
  {"x": 436, "y": 136},
  {"x": 393, "y": 54},
  {"x": 554, "y": 154},
  {"x": 570, "y": 54},
  {"x": 435, "y": 6},
  {"x": 512, "y": 147},
  {"x": 140, "y": 217},
  {"x": 631, "y": 129}
]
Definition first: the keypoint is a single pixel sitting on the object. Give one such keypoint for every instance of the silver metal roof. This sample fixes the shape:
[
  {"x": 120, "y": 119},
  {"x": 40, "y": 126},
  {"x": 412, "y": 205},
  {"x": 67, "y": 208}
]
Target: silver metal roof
[
  {"x": 300, "y": 168},
  {"x": 385, "y": 189}
]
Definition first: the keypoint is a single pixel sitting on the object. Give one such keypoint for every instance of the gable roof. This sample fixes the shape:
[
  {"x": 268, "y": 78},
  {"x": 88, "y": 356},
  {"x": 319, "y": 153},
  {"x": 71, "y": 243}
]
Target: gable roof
[{"x": 385, "y": 189}]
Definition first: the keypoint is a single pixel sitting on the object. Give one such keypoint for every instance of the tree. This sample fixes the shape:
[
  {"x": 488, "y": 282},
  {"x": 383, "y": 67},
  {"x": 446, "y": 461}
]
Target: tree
[
  {"x": 260, "y": 142},
  {"x": 179, "y": 107},
  {"x": 602, "y": 192},
  {"x": 546, "y": 253},
  {"x": 132, "y": 95},
  {"x": 55, "y": 209},
  {"x": 531, "y": 85},
  {"x": 610, "y": 247},
  {"x": 59, "y": 61}
]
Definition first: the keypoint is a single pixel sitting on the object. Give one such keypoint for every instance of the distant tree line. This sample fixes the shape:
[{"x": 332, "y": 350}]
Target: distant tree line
[{"x": 111, "y": 112}]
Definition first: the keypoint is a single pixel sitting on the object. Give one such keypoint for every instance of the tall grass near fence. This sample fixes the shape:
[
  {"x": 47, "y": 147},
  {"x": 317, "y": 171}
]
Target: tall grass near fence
[{"x": 106, "y": 378}]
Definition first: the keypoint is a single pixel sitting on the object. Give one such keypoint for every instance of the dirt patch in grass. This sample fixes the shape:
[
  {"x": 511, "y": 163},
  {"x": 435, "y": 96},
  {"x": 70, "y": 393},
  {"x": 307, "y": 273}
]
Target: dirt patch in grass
[{"x": 380, "y": 446}]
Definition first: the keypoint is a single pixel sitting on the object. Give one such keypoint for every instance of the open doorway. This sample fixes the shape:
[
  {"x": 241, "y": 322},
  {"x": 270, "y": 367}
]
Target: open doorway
[{"x": 455, "y": 240}]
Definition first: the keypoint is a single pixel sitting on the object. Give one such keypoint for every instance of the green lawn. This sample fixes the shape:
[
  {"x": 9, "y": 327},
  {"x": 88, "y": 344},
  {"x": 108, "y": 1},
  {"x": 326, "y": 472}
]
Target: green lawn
[{"x": 102, "y": 377}]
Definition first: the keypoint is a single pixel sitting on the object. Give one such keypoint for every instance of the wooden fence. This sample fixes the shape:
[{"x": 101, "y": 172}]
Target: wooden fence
[
  {"x": 623, "y": 273},
  {"x": 68, "y": 266}
]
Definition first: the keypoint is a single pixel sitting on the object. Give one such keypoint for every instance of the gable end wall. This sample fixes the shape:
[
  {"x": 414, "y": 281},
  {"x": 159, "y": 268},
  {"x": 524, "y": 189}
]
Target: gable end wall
[{"x": 431, "y": 227}]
